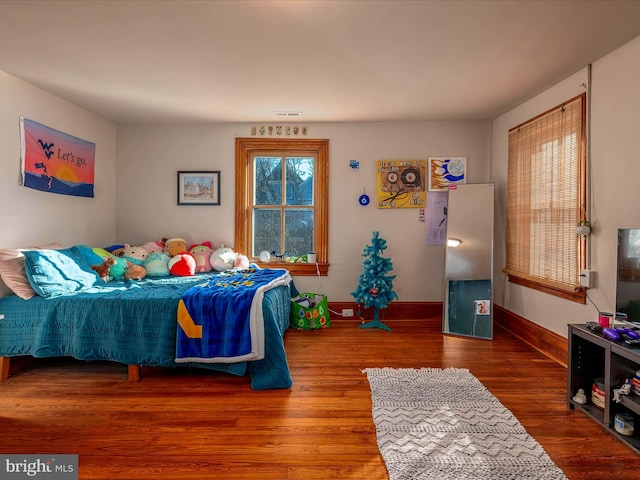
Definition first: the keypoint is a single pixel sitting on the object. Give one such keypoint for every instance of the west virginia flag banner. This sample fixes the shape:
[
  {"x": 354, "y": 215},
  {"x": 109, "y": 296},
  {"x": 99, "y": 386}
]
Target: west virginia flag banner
[{"x": 56, "y": 162}]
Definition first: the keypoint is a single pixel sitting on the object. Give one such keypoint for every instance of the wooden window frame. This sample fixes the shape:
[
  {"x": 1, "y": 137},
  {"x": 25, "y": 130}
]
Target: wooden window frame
[
  {"x": 573, "y": 292},
  {"x": 246, "y": 148}
]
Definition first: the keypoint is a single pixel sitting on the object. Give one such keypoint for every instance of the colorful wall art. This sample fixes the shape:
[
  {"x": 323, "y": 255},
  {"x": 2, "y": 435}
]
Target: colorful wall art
[
  {"x": 446, "y": 171},
  {"x": 56, "y": 162},
  {"x": 401, "y": 184}
]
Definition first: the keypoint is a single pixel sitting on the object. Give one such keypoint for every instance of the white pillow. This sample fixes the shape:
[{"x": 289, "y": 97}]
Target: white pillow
[{"x": 12, "y": 269}]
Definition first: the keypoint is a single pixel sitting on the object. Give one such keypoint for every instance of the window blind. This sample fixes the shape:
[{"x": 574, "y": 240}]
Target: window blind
[{"x": 546, "y": 197}]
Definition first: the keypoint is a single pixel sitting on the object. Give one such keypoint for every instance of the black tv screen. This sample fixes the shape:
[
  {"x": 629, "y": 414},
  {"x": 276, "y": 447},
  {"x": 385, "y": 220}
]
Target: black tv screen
[{"x": 628, "y": 273}]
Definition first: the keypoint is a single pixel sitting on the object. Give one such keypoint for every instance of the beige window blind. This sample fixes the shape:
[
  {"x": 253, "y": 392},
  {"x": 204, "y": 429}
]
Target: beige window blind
[{"x": 546, "y": 198}]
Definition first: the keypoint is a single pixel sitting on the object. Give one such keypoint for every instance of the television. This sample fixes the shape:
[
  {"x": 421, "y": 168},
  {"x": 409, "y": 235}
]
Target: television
[{"x": 628, "y": 273}]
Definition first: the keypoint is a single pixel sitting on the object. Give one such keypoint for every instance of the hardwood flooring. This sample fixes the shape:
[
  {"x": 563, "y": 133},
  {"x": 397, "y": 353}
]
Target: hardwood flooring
[{"x": 202, "y": 425}]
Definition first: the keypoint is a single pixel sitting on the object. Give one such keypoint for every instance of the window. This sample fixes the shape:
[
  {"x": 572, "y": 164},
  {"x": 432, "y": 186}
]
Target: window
[
  {"x": 546, "y": 196},
  {"x": 282, "y": 200}
]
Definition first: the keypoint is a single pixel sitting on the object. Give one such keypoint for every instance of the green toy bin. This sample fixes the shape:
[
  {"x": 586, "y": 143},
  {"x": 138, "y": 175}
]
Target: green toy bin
[{"x": 309, "y": 311}]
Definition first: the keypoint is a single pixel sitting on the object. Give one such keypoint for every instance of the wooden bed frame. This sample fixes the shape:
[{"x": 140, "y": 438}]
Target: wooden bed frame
[{"x": 134, "y": 371}]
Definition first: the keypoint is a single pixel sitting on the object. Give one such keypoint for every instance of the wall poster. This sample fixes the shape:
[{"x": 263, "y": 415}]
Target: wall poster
[
  {"x": 445, "y": 171},
  {"x": 401, "y": 184},
  {"x": 54, "y": 161},
  {"x": 436, "y": 217}
]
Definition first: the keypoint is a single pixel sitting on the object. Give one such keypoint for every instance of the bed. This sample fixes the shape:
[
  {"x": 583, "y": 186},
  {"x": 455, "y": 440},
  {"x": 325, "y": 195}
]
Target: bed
[{"x": 134, "y": 323}]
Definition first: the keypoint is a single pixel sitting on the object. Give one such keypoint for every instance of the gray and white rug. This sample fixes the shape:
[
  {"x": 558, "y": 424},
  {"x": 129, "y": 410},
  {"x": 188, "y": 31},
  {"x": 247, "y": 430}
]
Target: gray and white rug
[{"x": 444, "y": 424}]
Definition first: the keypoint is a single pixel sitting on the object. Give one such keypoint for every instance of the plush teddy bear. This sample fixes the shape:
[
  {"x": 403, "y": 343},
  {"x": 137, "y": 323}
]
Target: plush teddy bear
[
  {"x": 174, "y": 246},
  {"x": 202, "y": 254}
]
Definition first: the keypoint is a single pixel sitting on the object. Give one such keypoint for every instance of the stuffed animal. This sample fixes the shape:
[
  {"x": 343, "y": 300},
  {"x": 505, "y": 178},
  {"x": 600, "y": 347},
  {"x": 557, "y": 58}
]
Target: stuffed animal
[
  {"x": 118, "y": 270},
  {"x": 103, "y": 269},
  {"x": 223, "y": 258},
  {"x": 135, "y": 255},
  {"x": 154, "y": 247},
  {"x": 112, "y": 248},
  {"x": 202, "y": 254},
  {"x": 241, "y": 261},
  {"x": 182, "y": 264},
  {"x": 156, "y": 264},
  {"x": 135, "y": 272},
  {"x": 174, "y": 246}
]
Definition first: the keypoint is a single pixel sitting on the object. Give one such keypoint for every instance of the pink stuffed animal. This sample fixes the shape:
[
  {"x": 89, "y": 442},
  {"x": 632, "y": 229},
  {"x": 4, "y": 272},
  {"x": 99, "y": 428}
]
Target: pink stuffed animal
[
  {"x": 202, "y": 254},
  {"x": 241, "y": 261},
  {"x": 154, "y": 247}
]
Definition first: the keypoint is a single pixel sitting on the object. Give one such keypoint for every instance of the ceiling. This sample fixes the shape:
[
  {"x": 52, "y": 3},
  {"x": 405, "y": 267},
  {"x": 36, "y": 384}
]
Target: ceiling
[{"x": 240, "y": 61}]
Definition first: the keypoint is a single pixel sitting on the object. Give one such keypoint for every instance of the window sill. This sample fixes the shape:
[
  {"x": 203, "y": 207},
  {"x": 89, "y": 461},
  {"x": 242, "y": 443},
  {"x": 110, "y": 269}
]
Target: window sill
[
  {"x": 299, "y": 269},
  {"x": 578, "y": 296}
]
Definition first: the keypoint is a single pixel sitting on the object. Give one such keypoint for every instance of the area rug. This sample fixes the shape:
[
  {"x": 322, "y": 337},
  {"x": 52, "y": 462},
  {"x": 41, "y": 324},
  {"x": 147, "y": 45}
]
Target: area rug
[{"x": 445, "y": 425}]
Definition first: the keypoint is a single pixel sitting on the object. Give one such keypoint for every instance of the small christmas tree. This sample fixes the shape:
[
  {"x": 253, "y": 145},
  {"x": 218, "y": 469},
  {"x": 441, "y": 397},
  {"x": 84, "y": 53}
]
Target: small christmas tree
[{"x": 375, "y": 288}]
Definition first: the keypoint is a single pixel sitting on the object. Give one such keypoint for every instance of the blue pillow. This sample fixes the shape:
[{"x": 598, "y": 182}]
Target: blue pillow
[{"x": 56, "y": 272}]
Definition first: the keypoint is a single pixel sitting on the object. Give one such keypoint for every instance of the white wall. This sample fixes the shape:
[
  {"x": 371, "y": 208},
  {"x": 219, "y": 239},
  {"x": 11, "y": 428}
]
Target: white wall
[
  {"x": 143, "y": 206},
  {"x": 149, "y": 157},
  {"x": 32, "y": 217},
  {"x": 614, "y": 182}
]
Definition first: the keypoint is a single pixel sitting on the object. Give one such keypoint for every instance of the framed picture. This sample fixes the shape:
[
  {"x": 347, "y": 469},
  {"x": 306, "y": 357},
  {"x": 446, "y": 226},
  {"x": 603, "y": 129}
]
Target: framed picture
[
  {"x": 198, "y": 188},
  {"x": 446, "y": 171}
]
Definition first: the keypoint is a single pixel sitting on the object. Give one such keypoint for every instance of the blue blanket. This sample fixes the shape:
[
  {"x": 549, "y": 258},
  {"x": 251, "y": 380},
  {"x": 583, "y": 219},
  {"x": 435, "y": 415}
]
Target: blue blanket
[{"x": 221, "y": 320}]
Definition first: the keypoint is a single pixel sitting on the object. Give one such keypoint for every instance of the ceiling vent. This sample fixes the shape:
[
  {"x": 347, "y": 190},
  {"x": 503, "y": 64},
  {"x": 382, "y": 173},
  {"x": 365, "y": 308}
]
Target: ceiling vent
[{"x": 287, "y": 114}]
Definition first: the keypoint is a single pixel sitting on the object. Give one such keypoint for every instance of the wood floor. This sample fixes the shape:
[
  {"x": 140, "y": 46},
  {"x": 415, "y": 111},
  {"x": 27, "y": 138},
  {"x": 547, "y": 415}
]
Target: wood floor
[{"x": 202, "y": 425}]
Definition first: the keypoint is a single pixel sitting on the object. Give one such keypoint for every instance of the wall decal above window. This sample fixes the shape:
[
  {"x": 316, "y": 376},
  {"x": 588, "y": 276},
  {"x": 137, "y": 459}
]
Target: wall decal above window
[{"x": 279, "y": 130}]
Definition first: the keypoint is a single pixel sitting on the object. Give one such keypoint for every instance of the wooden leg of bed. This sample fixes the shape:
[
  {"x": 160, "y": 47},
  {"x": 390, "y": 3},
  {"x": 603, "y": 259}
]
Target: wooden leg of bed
[
  {"x": 134, "y": 373},
  {"x": 4, "y": 368}
]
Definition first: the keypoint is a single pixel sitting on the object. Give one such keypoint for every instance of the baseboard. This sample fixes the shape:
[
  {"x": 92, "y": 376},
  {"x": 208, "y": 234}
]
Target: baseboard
[
  {"x": 394, "y": 311},
  {"x": 545, "y": 341}
]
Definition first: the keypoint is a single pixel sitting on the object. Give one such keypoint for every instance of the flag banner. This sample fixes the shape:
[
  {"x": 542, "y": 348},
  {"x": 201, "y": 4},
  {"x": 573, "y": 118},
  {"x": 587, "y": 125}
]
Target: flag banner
[{"x": 54, "y": 161}]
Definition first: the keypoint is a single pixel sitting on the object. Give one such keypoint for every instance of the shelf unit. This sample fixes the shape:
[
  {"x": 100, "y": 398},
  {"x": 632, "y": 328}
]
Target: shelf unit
[{"x": 592, "y": 356}]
